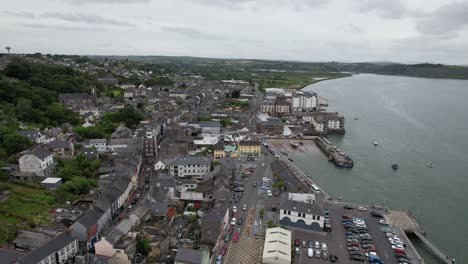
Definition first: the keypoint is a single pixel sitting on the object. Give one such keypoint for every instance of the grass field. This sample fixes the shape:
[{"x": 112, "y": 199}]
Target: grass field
[
  {"x": 25, "y": 203},
  {"x": 116, "y": 93}
]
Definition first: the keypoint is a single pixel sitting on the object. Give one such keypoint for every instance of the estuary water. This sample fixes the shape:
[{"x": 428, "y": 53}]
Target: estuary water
[{"x": 415, "y": 121}]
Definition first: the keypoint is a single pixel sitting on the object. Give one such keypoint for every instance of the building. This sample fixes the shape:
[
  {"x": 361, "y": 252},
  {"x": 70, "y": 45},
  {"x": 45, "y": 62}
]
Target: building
[
  {"x": 271, "y": 127},
  {"x": 210, "y": 127},
  {"x": 33, "y": 135},
  {"x": 268, "y": 107},
  {"x": 277, "y": 246},
  {"x": 76, "y": 101},
  {"x": 85, "y": 229},
  {"x": 38, "y": 162},
  {"x": 296, "y": 213},
  {"x": 100, "y": 144},
  {"x": 249, "y": 148},
  {"x": 304, "y": 101},
  {"x": 218, "y": 150},
  {"x": 61, "y": 249},
  {"x": 192, "y": 166},
  {"x": 61, "y": 148},
  {"x": 191, "y": 256},
  {"x": 329, "y": 122},
  {"x": 51, "y": 183}
]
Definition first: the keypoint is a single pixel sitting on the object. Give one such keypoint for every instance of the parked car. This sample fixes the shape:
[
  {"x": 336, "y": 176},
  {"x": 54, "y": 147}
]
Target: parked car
[
  {"x": 263, "y": 165},
  {"x": 297, "y": 242},
  {"x": 244, "y": 207},
  {"x": 234, "y": 209},
  {"x": 310, "y": 243},
  {"x": 254, "y": 184},
  {"x": 317, "y": 245},
  {"x": 233, "y": 221},
  {"x": 318, "y": 253},
  {"x": 223, "y": 251},
  {"x": 324, "y": 255},
  {"x": 333, "y": 258},
  {"x": 227, "y": 237},
  {"x": 310, "y": 252},
  {"x": 304, "y": 244},
  {"x": 324, "y": 247},
  {"x": 219, "y": 259},
  {"x": 297, "y": 251},
  {"x": 362, "y": 208},
  {"x": 235, "y": 238},
  {"x": 239, "y": 221}
]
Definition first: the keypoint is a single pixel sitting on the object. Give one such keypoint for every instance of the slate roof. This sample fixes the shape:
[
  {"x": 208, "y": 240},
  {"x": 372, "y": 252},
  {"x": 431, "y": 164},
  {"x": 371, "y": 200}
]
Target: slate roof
[
  {"x": 210, "y": 124},
  {"x": 39, "y": 152},
  {"x": 286, "y": 204},
  {"x": 54, "y": 245},
  {"x": 8, "y": 256},
  {"x": 189, "y": 256},
  {"x": 89, "y": 219},
  {"x": 56, "y": 144},
  {"x": 249, "y": 143},
  {"x": 31, "y": 134},
  {"x": 74, "y": 96},
  {"x": 191, "y": 160}
]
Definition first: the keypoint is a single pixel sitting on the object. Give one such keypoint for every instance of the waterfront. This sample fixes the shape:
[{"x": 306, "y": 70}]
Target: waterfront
[{"x": 415, "y": 121}]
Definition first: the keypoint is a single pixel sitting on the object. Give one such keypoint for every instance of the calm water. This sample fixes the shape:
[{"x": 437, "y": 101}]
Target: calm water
[{"x": 415, "y": 121}]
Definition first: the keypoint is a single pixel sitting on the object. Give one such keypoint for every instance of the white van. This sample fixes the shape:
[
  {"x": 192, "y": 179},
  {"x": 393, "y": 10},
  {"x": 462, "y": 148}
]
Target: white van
[{"x": 310, "y": 252}]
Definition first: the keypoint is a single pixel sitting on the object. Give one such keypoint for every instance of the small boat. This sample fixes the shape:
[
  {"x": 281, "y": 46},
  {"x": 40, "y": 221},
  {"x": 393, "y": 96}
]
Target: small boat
[
  {"x": 429, "y": 164},
  {"x": 355, "y": 118},
  {"x": 394, "y": 166},
  {"x": 376, "y": 143}
]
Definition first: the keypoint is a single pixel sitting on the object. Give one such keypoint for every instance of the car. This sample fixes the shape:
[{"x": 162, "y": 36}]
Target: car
[
  {"x": 401, "y": 255},
  {"x": 318, "y": 254},
  {"x": 362, "y": 208},
  {"x": 317, "y": 245},
  {"x": 377, "y": 214},
  {"x": 303, "y": 243},
  {"x": 130, "y": 206},
  {"x": 397, "y": 246},
  {"x": 223, "y": 251},
  {"x": 219, "y": 259},
  {"x": 263, "y": 164},
  {"x": 357, "y": 258},
  {"x": 269, "y": 193},
  {"x": 310, "y": 252},
  {"x": 227, "y": 237},
  {"x": 355, "y": 253},
  {"x": 297, "y": 242},
  {"x": 254, "y": 184},
  {"x": 353, "y": 248},
  {"x": 324, "y": 247},
  {"x": 297, "y": 251},
  {"x": 388, "y": 234},
  {"x": 333, "y": 258},
  {"x": 400, "y": 251},
  {"x": 234, "y": 209},
  {"x": 383, "y": 222},
  {"x": 244, "y": 207},
  {"x": 402, "y": 259},
  {"x": 148, "y": 169},
  {"x": 348, "y": 207},
  {"x": 366, "y": 245},
  {"x": 345, "y": 217},
  {"x": 324, "y": 255},
  {"x": 273, "y": 208},
  {"x": 147, "y": 186},
  {"x": 353, "y": 240},
  {"x": 233, "y": 221},
  {"x": 235, "y": 237},
  {"x": 239, "y": 221},
  {"x": 310, "y": 244}
]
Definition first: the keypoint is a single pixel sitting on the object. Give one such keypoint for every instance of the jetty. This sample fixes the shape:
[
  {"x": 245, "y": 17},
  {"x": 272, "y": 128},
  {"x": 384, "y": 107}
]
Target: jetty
[
  {"x": 403, "y": 220},
  {"x": 333, "y": 153}
]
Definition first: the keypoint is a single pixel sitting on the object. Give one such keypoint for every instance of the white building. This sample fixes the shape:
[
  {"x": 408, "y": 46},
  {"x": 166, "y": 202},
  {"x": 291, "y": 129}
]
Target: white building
[
  {"x": 38, "y": 162},
  {"x": 191, "y": 166},
  {"x": 304, "y": 101},
  {"x": 33, "y": 135},
  {"x": 277, "y": 247},
  {"x": 297, "y": 213},
  {"x": 210, "y": 127},
  {"x": 100, "y": 144}
]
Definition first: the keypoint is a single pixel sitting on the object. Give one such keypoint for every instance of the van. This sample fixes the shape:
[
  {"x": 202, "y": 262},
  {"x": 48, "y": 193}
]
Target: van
[{"x": 310, "y": 253}]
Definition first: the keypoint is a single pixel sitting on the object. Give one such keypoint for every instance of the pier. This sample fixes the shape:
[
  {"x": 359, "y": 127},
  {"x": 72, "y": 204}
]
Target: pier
[
  {"x": 403, "y": 220},
  {"x": 334, "y": 154}
]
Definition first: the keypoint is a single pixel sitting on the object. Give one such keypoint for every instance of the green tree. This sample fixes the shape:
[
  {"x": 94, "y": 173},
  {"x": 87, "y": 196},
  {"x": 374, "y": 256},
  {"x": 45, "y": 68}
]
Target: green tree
[
  {"x": 143, "y": 245},
  {"x": 261, "y": 213},
  {"x": 7, "y": 233}
]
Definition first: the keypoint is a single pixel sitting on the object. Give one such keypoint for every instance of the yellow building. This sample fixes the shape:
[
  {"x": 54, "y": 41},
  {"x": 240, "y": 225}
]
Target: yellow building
[
  {"x": 218, "y": 150},
  {"x": 249, "y": 148}
]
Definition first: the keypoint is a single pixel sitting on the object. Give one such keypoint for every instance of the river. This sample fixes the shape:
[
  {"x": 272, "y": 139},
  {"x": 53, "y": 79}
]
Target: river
[{"x": 415, "y": 121}]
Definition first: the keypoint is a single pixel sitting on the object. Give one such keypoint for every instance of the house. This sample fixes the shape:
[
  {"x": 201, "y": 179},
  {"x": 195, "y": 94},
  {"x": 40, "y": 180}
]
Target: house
[
  {"x": 61, "y": 148},
  {"x": 38, "y": 162},
  {"x": 127, "y": 86},
  {"x": 33, "y": 135},
  {"x": 89, "y": 153},
  {"x": 297, "y": 213},
  {"x": 129, "y": 93},
  {"x": 191, "y": 166},
  {"x": 249, "y": 148},
  {"x": 61, "y": 249},
  {"x": 28, "y": 240},
  {"x": 51, "y": 183},
  {"x": 272, "y": 126},
  {"x": 277, "y": 246},
  {"x": 210, "y": 127},
  {"x": 85, "y": 229},
  {"x": 304, "y": 101},
  {"x": 100, "y": 144},
  {"x": 218, "y": 150},
  {"x": 77, "y": 101},
  {"x": 191, "y": 256},
  {"x": 122, "y": 132},
  {"x": 328, "y": 122},
  {"x": 8, "y": 256},
  {"x": 186, "y": 185},
  {"x": 173, "y": 147}
]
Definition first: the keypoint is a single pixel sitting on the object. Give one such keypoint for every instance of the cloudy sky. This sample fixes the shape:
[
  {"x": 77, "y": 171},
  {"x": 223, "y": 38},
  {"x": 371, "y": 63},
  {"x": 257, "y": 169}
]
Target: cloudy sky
[{"x": 307, "y": 30}]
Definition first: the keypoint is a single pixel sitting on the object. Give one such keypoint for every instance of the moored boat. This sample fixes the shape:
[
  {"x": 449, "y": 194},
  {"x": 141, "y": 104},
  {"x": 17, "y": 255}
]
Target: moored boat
[{"x": 394, "y": 166}]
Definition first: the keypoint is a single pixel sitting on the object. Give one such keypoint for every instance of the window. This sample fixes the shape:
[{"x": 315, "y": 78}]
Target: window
[
  {"x": 318, "y": 217},
  {"x": 289, "y": 212}
]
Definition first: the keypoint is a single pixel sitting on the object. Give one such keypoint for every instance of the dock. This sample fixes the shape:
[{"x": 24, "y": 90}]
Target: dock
[
  {"x": 333, "y": 153},
  {"x": 403, "y": 220}
]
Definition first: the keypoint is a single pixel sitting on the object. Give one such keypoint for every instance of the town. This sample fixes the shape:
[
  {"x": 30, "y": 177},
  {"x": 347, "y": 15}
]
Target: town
[{"x": 114, "y": 161}]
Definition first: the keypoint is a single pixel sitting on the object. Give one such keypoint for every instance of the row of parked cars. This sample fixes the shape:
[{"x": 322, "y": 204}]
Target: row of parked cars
[
  {"x": 397, "y": 245},
  {"x": 359, "y": 241},
  {"x": 314, "y": 249}
]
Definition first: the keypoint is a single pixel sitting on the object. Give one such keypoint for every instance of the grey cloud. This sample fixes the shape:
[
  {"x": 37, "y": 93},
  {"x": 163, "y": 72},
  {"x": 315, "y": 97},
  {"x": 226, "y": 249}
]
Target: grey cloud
[
  {"x": 392, "y": 9},
  {"x": 56, "y": 27},
  {"x": 350, "y": 28},
  {"x": 295, "y": 4},
  {"x": 86, "y": 18},
  {"x": 445, "y": 19},
  {"x": 191, "y": 33},
  {"x": 21, "y": 14},
  {"x": 80, "y": 2}
]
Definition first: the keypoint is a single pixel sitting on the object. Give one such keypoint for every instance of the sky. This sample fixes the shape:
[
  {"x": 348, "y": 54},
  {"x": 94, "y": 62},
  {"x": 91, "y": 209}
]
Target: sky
[{"x": 410, "y": 31}]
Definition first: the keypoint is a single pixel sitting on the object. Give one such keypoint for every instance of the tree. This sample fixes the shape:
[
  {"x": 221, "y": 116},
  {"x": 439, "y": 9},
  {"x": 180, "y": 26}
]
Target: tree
[
  {"x": 7, "y": 233},
  {"x": 261, "y": 213},
  {"x": 8, "y": 49},
  {"x": 143, "y": 245}
]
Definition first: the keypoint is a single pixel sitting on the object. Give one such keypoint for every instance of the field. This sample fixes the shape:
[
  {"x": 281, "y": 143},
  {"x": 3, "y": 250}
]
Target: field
[{"x": 23, "y": 203}]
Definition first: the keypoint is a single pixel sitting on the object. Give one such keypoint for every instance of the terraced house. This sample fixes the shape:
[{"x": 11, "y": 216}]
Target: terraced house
[{"x": 249, "y": 148}]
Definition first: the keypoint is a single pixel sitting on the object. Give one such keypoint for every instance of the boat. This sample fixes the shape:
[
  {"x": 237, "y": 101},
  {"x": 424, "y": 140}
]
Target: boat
[
  {"x": 295, "y": 145},
  {"x": 301, "y": 143},
  {"x": 394, "y": 166},
  {"x": 355, "y": 118},
  {"x": 429, "y": 164},
  {"x": 376, "y": 143}
]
